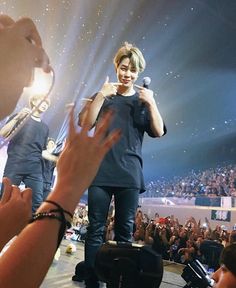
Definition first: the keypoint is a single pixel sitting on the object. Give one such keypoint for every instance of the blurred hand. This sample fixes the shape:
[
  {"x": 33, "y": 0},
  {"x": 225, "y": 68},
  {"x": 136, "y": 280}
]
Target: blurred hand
[
  {"x": 19, "y": 205},
  {"x": 20, "y": 52},
  {"x": 24, "y": 112},
  {"x": 80, "y": 159}
]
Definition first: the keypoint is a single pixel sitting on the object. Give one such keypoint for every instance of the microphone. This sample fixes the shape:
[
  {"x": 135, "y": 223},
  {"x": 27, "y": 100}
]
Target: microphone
[{"x": 146, "y": 82}]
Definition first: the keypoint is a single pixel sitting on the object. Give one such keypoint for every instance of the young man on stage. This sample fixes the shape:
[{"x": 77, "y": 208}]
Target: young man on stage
[
  {"x": 24, "y": 162},
  {"x": 120, "y": 173},
  {"x": 50, "y": 159}
]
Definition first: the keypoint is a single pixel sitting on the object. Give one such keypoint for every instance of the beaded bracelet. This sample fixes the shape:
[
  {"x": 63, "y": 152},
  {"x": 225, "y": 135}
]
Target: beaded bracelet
[
  {"x": 65, "y": 224},
  {"x": 59, "y": 207},
  {"x": 42, "y": 215},
  {"x": 50, "y": 214}
]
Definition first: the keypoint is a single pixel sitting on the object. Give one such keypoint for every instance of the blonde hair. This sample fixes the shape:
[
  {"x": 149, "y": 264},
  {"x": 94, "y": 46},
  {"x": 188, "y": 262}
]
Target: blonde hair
[
  {"x": 133, "y": 53},
  {"x": 36, "y": 97}
]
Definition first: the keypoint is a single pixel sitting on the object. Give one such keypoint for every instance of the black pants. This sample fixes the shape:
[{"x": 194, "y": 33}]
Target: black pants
[
  {"x": 33, "y": 181},
  {"x": 99, "y": 198}
]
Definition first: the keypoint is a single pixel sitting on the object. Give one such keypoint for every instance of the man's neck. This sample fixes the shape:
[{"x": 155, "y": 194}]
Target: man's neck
[
  {"x": 126, "y": 91},
  {"x": 36, "y": 117}
]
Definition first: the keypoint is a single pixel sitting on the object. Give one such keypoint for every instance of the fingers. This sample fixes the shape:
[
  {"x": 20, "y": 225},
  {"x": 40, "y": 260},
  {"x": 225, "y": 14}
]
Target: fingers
[
  {"x": 23, "y": 113},
  {"x": 6, "y": 21},
  {"x": 113, "y": 138},
  {"x": 25, "y": 110},
  {"x": 41, "y": 59},
  {"x": 86, "y": 126},
  {"x": 15, "y": 192},
  {"x": 116, "y": 84},
  {"x": 28, "y": 30},
  {"x": 112, "y": 83},
  {"x": 72, "y": 132},
  {"x": 27, "y": 195},
  {"x": 139, "y": 87},
  {"x": 143, "y": 89},
  {"x": 104, "y": 123},
  {"x": 6, "y": 191},
  {"x": 102, "y": 128}
]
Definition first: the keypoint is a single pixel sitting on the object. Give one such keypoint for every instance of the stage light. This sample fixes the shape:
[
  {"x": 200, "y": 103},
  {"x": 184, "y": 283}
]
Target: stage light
[
  {"x": 128, "y": 265},
  {"x": 41, "y": 83}
]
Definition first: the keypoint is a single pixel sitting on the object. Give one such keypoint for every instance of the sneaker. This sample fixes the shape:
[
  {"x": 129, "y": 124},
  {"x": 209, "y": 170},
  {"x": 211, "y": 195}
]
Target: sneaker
[
  {"x": 92, "y": 283},
  {"x": 80, "y": 272},
  {"x": 77, "y": 278}
]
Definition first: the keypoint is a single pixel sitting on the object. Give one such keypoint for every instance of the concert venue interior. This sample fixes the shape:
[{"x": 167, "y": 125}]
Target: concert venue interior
[{"x": 190, "y": 50}]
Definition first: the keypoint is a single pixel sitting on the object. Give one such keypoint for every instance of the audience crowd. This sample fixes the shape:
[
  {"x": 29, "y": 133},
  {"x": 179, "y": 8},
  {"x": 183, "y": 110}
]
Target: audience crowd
[
  {"x": 183, "y": 242},
  {"x": 178, "y": 242},
  {"x": 220, "y": 181}
]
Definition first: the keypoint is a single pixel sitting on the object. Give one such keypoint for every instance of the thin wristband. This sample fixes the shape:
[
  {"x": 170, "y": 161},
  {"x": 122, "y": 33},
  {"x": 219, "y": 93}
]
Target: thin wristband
[
  {"x": 49, "y": 215},
  {"x": 68, "y": 224},
  {"x": 59, "y": 207},
  {"x": 43, "y": 215},
  {"x": 64, "y": 223}
]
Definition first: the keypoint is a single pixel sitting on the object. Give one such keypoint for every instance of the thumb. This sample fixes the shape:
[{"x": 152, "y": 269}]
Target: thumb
[
  {"x": 27, "y": 195},
  {"x": 6, "y": 21},
  {"x": 27, "y": 29},
  {"x": 107, "y": 80},
  {"x": 16, "y": 193},
  {"x": 6, "y": 191}
]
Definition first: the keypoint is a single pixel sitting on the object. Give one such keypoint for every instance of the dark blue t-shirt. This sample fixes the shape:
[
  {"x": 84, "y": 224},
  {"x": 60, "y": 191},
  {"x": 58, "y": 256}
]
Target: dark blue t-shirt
[
  {"x": 48, "y": 169},
  {"x": 122, "y": 166},
  {"x": 25, "y": 148}
]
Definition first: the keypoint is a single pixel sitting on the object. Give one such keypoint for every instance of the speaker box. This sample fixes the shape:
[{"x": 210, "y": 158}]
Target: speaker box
[{"x": 127, "y": 265}]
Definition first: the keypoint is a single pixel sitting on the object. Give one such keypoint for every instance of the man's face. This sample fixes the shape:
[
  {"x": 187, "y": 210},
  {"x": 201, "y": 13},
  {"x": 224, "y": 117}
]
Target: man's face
[
  {"x": 43, "y": 106},
  {"x": 224, "y": 278},
  {"x": 126, "y": 73}
]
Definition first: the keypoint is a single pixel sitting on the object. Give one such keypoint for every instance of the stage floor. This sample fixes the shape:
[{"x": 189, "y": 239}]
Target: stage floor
[{"x": 61, "y": 271}]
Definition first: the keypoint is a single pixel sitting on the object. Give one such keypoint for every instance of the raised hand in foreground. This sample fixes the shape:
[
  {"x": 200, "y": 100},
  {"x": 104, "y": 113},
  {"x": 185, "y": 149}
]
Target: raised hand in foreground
[
  {"x": 20, "y": 52},
  {"x": 30, "y": 255}
]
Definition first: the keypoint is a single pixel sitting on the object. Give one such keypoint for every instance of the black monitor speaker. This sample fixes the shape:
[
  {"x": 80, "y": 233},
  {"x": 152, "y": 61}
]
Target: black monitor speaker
[
  {"x": 127, "y": 265},
  {"x": 196, "y": 275}
]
